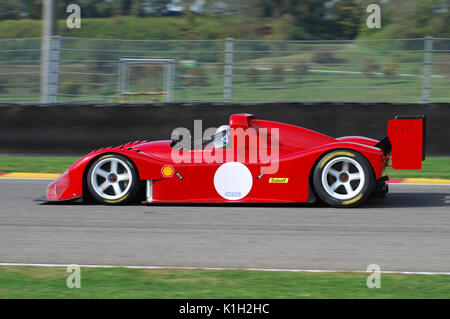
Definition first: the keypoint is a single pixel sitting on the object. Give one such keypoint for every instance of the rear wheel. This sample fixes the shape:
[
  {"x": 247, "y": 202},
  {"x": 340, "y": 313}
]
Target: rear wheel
[
  {"x": 113, "y": 179},
  {"x": 343, "y": 178}
]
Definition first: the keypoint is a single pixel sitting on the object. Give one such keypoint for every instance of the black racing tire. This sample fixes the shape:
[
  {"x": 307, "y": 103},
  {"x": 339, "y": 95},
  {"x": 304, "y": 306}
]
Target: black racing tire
[
  {"x": 343, "y": 178},
  {"x": 113, "y": 179}
]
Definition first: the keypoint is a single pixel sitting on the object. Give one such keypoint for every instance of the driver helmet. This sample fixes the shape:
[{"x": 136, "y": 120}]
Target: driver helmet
[{"x": 223, "y": 139}]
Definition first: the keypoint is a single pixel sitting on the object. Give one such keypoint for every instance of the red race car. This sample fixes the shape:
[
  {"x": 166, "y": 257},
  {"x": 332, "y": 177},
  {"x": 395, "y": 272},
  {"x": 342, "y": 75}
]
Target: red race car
[{"x": 247, "y": 161}]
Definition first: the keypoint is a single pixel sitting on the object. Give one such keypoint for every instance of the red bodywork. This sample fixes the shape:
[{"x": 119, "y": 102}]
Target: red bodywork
[
  {"x": 299, "y": 151},
  {"x": 406, "y": 137}
]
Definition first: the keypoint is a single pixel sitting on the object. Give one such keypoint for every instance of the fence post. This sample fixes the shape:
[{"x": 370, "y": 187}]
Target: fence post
[
  {"x": 50, "y": 69},
  {"x": 427, "y": 64},
  {"x": 170, "y": 76},
  {"x": 49, "y": 52},
  {"x": 228, "y": 70},
  {"x": 54, "y": 68}
]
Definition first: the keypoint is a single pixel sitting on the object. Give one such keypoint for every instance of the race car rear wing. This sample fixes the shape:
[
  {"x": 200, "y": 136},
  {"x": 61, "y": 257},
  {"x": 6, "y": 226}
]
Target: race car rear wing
[{"x": 405, "y": 142}]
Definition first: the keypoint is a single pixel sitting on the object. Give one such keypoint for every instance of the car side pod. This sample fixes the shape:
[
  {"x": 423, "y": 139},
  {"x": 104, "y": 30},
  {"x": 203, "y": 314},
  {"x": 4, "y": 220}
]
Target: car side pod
[{"x": 406, "y": 135}]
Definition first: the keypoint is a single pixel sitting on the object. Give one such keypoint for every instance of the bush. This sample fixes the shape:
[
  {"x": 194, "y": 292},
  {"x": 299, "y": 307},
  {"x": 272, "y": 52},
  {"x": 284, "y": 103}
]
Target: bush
[
  {"x": 287, "y": 28},
  {"x": 70, "y": 87},
  {"x": 148, "y": 28},
  {"x": 370, "y": 67},
  {"x": 2, "y": 81},
  {"x": 390, "y": 68},
  {"x": 219, "y": 70},
  {"x": 277, "y": 73},
  {"x": 443, "y": 65},
  {"x": 325, "y": 58},
  {"x": 197, "y": 76},
  {"x": 252, "y": 75},
  {"x": 301, "y": 69}
]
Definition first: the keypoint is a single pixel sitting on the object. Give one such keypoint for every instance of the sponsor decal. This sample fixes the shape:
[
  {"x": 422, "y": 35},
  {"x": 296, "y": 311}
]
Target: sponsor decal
[
  {"x": 279, "y": 180},
  {"x": 167, "y": 171},
  {"x": 233, "y": 194},
  {"x": 233, "y": 180}
]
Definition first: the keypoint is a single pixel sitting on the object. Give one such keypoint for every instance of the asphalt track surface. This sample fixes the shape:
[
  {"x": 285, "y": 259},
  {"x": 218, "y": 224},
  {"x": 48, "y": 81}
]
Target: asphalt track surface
[{"x": 409, "y": 230}]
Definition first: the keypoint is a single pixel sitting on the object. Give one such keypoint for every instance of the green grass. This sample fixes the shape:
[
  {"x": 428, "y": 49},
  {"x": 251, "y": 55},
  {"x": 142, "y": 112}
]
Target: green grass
[
  {"x": 50, "y": 282},
  {"x": 310, "y": 87},
  {"x": 433, "y": 167},
  {"x": 36, "y": 164},
  {"x": 316, "y": 88}
]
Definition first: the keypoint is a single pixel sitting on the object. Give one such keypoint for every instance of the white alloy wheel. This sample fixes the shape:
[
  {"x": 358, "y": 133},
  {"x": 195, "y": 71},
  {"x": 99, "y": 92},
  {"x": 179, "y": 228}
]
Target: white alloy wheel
[
  {"x": 111, "y": 178},
  {"x": 343, "y": 178}
]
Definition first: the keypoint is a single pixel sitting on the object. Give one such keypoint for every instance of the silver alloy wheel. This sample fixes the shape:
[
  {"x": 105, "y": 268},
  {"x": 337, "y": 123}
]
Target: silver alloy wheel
[
  {"x": 343, "y": 178},
  {"x": 111, "y": 178}
]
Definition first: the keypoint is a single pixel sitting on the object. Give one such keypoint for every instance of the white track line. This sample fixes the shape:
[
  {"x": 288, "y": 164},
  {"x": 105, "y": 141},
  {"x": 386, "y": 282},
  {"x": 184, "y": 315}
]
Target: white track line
[{"x": 219, "y": 268}]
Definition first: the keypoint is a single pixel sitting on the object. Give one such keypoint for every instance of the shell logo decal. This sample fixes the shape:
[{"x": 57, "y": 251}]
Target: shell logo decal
[{"x": 167, "y": 171}]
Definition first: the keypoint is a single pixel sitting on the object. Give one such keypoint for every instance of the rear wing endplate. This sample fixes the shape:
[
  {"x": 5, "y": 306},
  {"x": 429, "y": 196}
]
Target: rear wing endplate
[{"x": 406, "y": 135}]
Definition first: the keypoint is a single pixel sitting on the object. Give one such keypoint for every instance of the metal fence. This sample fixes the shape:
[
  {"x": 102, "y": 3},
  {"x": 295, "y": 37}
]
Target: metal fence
[{"x": 62, "y": 69}]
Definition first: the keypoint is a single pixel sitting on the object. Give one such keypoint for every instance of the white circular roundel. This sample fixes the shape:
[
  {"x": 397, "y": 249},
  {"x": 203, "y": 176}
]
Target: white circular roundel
[{"x": 233, "y": 180}]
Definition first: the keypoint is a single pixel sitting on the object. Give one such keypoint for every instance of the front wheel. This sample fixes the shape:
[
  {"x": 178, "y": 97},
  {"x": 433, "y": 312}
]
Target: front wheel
[
  {"x": 343, "y": 178},
  {"x": 113, "y": 179}
]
